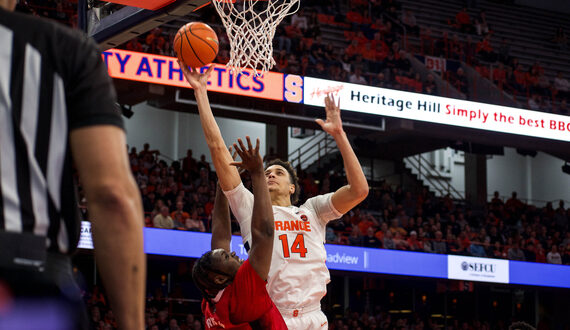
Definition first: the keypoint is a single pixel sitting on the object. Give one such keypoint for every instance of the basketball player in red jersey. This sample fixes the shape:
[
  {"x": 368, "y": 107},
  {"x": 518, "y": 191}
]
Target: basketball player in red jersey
[{"x": 234, "y": 290}]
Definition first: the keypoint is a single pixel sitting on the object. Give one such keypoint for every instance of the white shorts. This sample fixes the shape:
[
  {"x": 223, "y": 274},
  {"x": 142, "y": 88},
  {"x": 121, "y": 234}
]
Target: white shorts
[{"x": 307, "y": 318}]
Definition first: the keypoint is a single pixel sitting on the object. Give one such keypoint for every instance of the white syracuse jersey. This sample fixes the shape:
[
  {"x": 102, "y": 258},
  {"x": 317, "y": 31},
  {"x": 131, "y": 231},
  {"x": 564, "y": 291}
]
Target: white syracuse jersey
[{"x": 298, "y": 275}]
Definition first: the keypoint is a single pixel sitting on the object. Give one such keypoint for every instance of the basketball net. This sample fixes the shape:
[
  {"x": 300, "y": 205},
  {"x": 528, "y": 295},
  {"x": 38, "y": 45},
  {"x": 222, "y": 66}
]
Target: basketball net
[{"x": 251, "y": 25}]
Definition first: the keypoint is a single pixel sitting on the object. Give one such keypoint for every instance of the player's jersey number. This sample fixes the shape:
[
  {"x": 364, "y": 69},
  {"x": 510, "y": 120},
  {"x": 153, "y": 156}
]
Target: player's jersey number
[{"x": 298, "y": 246}]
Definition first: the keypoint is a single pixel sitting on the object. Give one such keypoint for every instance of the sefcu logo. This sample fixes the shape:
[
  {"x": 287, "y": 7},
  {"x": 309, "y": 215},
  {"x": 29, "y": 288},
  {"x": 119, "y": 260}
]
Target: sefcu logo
[{"x": 478, "y": 267}]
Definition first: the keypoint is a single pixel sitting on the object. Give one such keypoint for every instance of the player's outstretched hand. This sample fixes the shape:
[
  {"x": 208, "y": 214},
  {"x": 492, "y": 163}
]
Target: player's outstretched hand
[
  {"x": 333, "y": 124},
  {"x": 250, "y": 158},
  {"x": 196, "y": 79}
]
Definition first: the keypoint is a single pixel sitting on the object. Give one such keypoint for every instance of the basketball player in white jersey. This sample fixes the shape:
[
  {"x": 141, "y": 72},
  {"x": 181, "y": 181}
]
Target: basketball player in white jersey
[{"x": 298, "y": 275}]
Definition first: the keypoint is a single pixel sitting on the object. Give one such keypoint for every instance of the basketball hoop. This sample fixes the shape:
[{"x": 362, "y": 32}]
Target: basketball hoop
[{"x": 251, "y": 25}]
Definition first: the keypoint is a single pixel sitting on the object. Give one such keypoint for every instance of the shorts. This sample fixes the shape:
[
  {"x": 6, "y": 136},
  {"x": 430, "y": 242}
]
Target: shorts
[{"x": 305, "y": 319}]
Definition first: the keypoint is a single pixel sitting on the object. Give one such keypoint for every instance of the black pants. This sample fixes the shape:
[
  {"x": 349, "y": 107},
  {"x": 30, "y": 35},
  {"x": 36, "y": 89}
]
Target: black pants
[{"x": 49, "y": 299}]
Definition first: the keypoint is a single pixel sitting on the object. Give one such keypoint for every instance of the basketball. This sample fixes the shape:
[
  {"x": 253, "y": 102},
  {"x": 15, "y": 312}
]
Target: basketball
[{"x": 196, "y": 44}]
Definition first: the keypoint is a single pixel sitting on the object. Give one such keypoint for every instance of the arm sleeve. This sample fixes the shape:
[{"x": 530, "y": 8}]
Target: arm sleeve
[
  {"x": 250, "y": 299},
  {"x": 91, "y": 97},
  {"x": 323, "y": 207},
  {"x": 241, "y": 204}
]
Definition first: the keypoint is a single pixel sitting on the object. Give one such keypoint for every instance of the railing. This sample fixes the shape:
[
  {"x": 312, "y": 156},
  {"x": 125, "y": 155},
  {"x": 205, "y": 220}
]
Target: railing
[
  {"x": 313, "y": 150},
  {"x": 427, "y": 172}
]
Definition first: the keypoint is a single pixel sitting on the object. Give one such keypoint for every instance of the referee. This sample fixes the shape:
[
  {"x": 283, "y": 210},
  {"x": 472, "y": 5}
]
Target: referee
[{"x": 57, "y": 108}]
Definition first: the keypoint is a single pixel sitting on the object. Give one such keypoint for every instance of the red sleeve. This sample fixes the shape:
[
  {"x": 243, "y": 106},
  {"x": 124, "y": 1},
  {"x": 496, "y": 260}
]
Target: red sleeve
[{"x": 249, "y": 298}]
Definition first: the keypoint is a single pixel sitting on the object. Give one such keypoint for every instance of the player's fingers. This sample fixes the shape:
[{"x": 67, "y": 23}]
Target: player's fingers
[
  {"x": 238, "y": 150},
  {"x": 207, "y": 73},
  {"x": 241, "y": 145},
  {"x": 257, "y": 145},
  {"x": 320, "y": 122},
  {"x": 236, "y": 164},
  {"x": 338, "y": 104},
  {"x": 249, "y": 146}
]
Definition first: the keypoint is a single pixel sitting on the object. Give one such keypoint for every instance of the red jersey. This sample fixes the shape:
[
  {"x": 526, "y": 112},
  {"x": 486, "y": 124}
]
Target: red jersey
[{"x": 244, "y": 304}]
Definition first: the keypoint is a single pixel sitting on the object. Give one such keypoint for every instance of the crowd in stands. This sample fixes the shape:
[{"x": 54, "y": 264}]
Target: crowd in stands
[
  {"x": 377, "y": 50},
  {"x": 181, "y": 196}
]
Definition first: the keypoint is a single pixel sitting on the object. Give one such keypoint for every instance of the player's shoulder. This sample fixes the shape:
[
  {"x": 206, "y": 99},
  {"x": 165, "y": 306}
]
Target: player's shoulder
[{"x": 27, "y": 24}]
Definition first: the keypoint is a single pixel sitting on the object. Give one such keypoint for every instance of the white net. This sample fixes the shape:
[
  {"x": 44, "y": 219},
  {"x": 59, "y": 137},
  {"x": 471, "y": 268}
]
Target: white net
[{"x": 250, "y": 25}]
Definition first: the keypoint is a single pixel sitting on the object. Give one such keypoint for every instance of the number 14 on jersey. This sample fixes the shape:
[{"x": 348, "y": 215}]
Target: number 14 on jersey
[{"x": 298, "y": 246}]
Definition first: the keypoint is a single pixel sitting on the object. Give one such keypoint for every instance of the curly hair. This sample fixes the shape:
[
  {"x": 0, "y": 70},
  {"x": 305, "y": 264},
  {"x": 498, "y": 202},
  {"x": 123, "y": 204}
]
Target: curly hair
[
  {"x": 200, "y": 274},
  {"x": 292, "y": 177}
]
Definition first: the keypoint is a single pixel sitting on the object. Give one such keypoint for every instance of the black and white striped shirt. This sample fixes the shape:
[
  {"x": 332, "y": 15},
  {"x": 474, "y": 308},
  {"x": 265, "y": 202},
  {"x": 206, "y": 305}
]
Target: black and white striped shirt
[{"x": 52, "y": 80}]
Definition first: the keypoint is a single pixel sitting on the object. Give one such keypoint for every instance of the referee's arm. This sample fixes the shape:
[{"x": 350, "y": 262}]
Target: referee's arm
[{"x": 116, "y": 215}]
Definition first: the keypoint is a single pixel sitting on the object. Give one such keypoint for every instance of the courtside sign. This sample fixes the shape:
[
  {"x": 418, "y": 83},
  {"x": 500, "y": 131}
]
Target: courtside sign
[{"x": 380, "y": 261}]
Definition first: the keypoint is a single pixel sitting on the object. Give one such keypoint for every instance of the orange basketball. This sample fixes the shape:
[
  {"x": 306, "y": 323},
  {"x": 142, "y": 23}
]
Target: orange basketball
[{"x": 196, "y": 44}]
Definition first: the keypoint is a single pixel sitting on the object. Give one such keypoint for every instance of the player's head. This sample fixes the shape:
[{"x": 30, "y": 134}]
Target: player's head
[
  {"x": 282, "y": 179},
  {"x": 214, "y": 271}
]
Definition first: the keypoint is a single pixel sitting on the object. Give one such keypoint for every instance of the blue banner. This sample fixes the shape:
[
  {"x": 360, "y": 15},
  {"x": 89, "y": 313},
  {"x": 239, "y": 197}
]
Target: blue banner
[{"x": 356, "y": 259}]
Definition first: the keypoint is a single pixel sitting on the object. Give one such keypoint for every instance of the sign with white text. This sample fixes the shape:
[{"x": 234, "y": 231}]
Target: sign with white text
[{"x": 437, "y": 64}]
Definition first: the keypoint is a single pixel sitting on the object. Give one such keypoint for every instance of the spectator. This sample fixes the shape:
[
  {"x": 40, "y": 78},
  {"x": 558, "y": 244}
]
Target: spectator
[
  {"x": 560, "y": 38},
  {"x": 439, "y": 245},
  {"x": 399, "y": 242},
  {"x": 463, "y": 21},
  {"x": 370, "y": 240},
  {"x": 413, "y": 243},
  {"x": 515, "y": 253},
  {"x": 460, "y": 81},
  {"x": 485, "y": 50},
  {"x": 331, "y": 237},
  {"x": 553, "y": 257},
  {"x": 409, "y": 21},
  {"x": 300, "y": 20},
  {"x": 355, "y": 237},
  {"x": 481, "y": 26},
  {"x": 561, "y": 86},
  {"x": 357, "y": 77},
  {"x": 430, "y": 86},
  {"x": 514, "y": 202},
  {"x": 476, "y": 249},
  {"x": 163, "y": 219},
  {"x": 194, "y": 223},
  {"x": 529, "y": 252},
  {"x": 387, "y": 241}
]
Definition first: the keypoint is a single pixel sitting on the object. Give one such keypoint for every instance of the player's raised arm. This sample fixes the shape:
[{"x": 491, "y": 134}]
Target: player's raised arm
[
  {"x": 228, "y": 175},
  {"x": 221, "y": 223},
  {"x": 262, "y": 217},
  {"x": 356, "y": 190}
]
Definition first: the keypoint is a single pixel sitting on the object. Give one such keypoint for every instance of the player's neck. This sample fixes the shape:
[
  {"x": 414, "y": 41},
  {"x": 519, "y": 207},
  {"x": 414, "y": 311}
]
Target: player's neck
[{"x": 280, "y": 200}]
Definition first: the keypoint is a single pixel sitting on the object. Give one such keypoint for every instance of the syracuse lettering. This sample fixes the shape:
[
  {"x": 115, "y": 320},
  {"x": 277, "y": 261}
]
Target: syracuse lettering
[{"x": 293, "y": 225}]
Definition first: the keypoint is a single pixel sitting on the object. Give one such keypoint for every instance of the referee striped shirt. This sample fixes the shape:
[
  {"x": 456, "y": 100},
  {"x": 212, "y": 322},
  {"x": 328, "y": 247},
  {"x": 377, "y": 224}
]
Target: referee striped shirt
[{"x": 52, "y": 80}]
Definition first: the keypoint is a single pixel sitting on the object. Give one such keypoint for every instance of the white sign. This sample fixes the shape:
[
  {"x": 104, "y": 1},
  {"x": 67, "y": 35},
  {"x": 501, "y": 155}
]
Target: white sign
[
  {"x": 85, "y": 239},
  {"x": 439, "y": 110},
  {"x": 477, "y": 269},
  {"x": 437, "y": 64}
]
